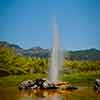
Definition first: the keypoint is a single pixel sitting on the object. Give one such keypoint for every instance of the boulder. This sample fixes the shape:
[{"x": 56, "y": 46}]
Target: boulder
[
  {"x": 52, "y": 86},
  {"x": 97, "y": 84},
  {"x": 25, "y": 84},
  {"x": 43, "y": 83},
  {"x": 39, "y": 83},
  {"x": 71, "y": 87}
]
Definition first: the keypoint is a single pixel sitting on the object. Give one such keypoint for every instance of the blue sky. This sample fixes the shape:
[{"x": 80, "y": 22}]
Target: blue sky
[{"x": 28, "y": 23}]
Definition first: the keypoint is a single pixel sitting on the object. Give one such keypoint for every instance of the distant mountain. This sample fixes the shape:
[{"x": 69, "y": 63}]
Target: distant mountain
[
  {"x": 6, "y": 44},
  {"x": 89, "y": 54},
  {"x": 33, "y": 52}
]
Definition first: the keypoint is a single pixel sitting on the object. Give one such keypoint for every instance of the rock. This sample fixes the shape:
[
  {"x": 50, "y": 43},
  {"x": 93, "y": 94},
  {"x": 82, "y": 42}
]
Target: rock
[
  {"x": 52, "y": 86},
  {"x": 43, "y": 83},
  {"x": 39, "y": 83},
  {"x": 97, "y": 84},
  {"x": 25, "y": 84},
  {"x": 71, "y": 87}
]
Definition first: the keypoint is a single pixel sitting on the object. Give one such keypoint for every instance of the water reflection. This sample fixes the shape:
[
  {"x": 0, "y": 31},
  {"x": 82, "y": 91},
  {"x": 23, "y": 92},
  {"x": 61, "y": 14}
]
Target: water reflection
[
  {"x": 83, "y": 93},
  {"x": 56, "y": 97},
  {"x": 41, "y": 94},
  {"x": 80, "y": 94}
]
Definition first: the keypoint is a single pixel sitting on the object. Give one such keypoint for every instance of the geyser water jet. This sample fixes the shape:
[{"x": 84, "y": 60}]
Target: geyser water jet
[{"x": 55, "y": 59}]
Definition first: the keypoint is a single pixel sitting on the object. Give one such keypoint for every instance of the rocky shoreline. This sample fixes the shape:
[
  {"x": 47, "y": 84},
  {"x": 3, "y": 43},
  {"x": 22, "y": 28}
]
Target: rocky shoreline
[{"x": 43, "y": 83}]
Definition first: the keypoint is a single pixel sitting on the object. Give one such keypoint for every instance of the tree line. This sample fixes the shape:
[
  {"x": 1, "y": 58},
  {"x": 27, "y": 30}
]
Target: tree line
[{"x": 14, "y": 64}]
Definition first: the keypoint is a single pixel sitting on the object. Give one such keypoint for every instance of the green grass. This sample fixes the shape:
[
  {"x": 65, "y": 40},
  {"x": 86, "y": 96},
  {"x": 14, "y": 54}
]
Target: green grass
[
  {"x": 84, "y": 78},
  {"x": 14, "y": 80}
]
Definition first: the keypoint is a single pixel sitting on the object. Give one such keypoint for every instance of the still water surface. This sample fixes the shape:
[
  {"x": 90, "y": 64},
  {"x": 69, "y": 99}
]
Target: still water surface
[{"x": 83, "y": 93}]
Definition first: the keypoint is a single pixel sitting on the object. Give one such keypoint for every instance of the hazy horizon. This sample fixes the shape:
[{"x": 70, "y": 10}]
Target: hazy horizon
[{"x": 47, "y": 48}]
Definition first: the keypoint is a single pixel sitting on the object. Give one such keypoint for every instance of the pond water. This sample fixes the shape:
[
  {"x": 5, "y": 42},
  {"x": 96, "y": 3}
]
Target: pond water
[{"x": 83, "y": 93}]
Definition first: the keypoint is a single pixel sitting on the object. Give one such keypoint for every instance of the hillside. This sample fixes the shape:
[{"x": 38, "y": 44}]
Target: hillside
[
  {"x": 32, "y": 52},
  {"x": 89, "y": 54}
]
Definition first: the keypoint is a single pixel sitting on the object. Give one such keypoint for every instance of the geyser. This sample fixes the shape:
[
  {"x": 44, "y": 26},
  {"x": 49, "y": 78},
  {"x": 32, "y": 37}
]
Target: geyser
[{"x": 55, "y": 58}]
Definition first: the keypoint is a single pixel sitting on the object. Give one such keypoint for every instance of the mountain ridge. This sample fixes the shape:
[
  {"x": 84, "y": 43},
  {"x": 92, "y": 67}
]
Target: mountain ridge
[{"x": 88, "y": 54}]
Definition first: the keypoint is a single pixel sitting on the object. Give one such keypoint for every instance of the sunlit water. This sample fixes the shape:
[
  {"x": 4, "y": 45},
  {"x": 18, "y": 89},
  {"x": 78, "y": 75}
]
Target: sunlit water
[{"x": 83, "y": 93}]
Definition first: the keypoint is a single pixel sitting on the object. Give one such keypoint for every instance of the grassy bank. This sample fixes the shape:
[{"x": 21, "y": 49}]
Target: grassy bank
[
  {"x": 82, "y": 78},
  {"x": 14, "y": 80}
]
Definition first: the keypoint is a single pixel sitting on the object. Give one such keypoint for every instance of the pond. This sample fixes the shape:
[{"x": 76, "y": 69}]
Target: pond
[{"x": 83, "y": 93}]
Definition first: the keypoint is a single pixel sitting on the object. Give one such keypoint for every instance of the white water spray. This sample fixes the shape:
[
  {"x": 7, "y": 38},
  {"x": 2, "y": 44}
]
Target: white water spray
[{"x": 55, "y": 59}]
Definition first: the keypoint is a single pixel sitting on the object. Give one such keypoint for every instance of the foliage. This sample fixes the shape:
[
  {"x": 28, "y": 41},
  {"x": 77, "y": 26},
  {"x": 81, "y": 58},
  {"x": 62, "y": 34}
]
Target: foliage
[
  {"x": 81, "y": 77},
  {"x": 19, "y": 67},
  {"x": 17, "y": 64},
  {"x": 82, "y": 65}
]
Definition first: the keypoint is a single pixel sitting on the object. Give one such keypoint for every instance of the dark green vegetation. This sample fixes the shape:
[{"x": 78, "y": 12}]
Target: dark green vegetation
[{"x": 17, "y": 65}]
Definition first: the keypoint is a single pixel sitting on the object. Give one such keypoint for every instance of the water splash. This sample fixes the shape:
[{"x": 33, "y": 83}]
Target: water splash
[{"x": 55, "y": 59}]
